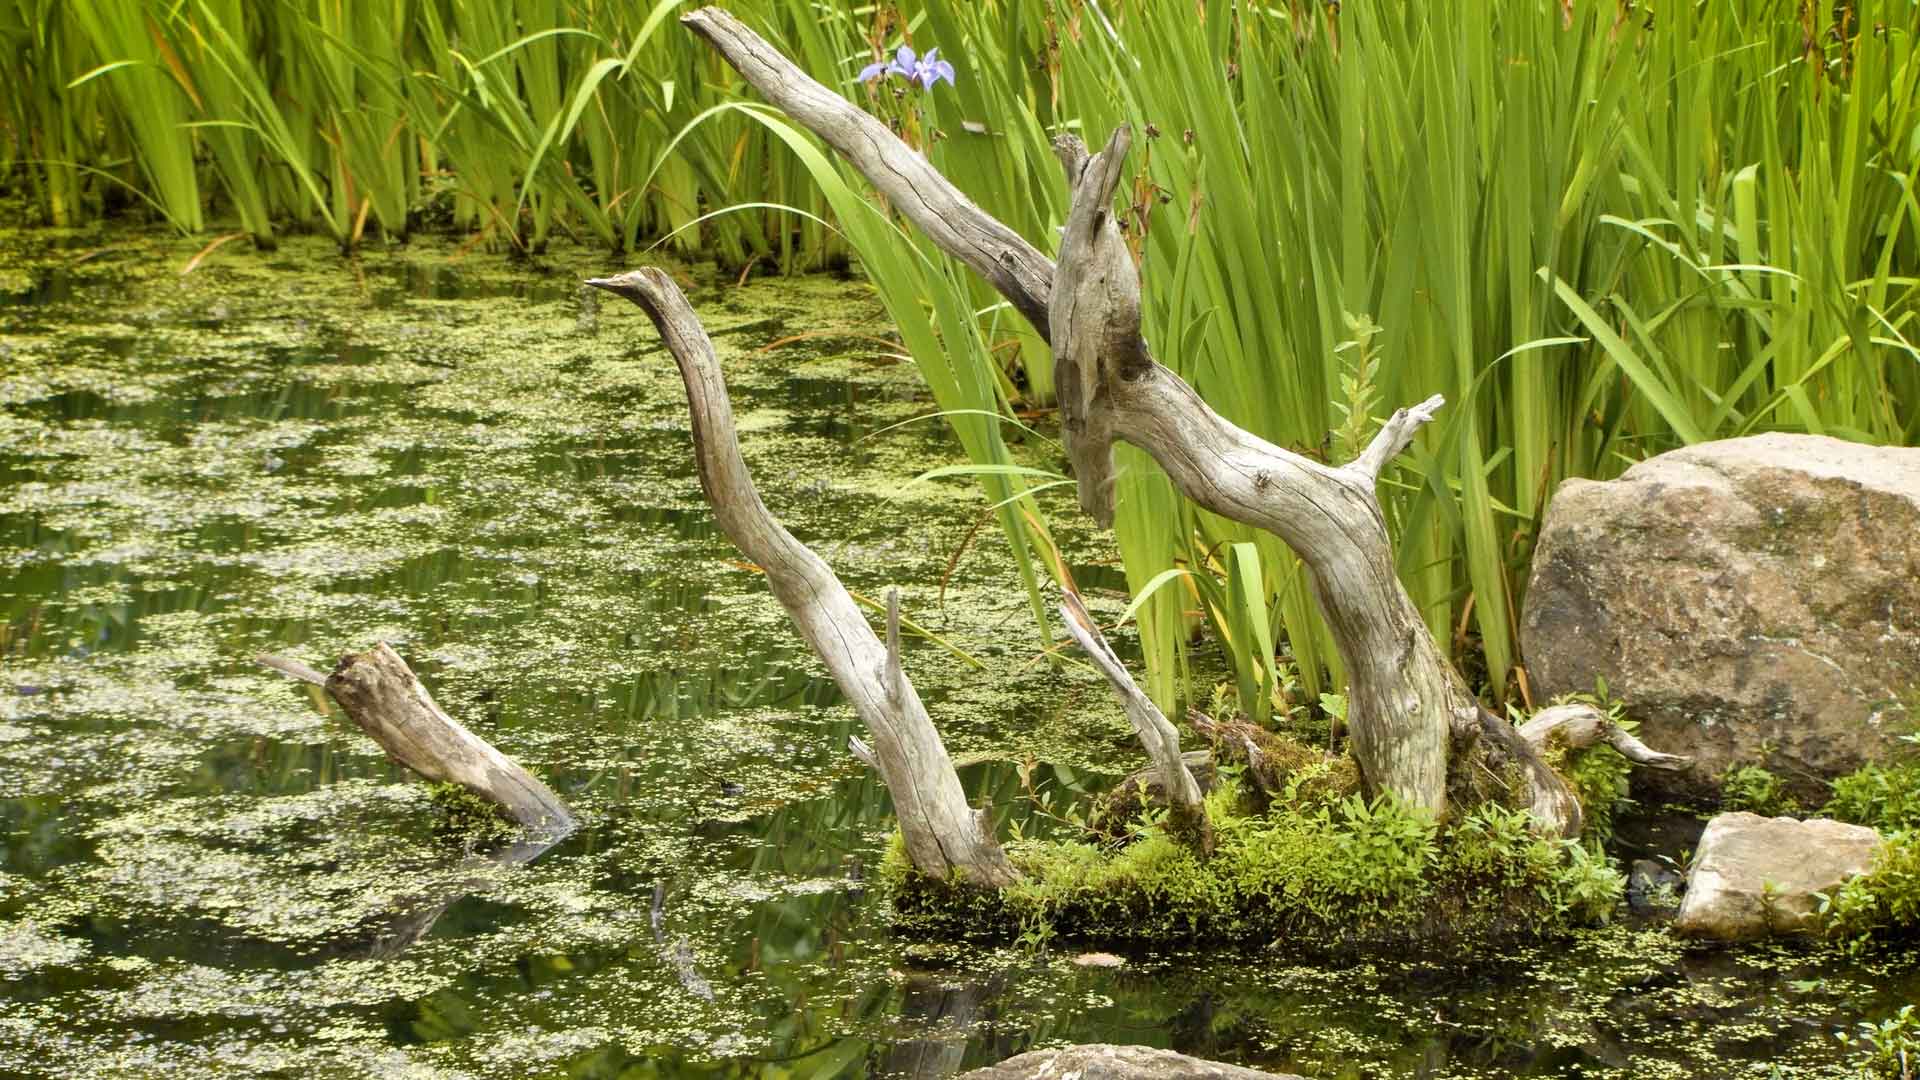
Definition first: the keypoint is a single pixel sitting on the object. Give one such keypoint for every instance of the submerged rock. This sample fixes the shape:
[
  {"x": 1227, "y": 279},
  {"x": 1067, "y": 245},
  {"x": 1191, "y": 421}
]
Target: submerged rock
[
  {"x": 1751, "y": 601},
  {"x": 1654, "y": 888},
  {"x": 1103, "y": 1061},
  {"x": 1756, "y": 877}
]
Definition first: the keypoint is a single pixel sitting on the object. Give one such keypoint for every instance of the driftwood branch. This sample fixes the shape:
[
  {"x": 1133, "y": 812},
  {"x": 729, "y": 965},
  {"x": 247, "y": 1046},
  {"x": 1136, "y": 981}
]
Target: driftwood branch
[
  {"x": 1416, "y": 729},
  {"x": 911, "y": 185},
  {"x": 291, "y": 668},
  {"x": 1578, "y": 726},
  {"x": 944, "y": 837},
  {"x": 1394, "y": 436},
  {"x": 381, "y": 695},
  {"x": 1157, "y": 733}
]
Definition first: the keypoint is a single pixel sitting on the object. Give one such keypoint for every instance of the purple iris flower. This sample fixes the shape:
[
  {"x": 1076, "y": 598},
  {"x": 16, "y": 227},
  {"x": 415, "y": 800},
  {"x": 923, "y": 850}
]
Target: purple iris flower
[{"x": 925, "y": 70}]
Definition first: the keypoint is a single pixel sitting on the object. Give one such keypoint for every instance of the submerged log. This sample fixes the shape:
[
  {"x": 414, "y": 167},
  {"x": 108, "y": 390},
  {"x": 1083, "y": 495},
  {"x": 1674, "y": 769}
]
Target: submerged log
[
  {"x": 1417, "y": 730},
  {"x": 945, "y": 837},
  {"x": 381, "y": 695}
]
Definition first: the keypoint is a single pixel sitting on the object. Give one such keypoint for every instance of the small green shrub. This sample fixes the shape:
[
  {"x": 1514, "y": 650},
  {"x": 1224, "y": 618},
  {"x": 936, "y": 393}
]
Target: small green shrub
[
  {"x": 1886, "y": 897},
  {"x": 1886, "y": 797},
  {"x": 1890, "y": 1049},
  {"x": 1757, "y": 791},
  {"x": 1598, "y": 775}
]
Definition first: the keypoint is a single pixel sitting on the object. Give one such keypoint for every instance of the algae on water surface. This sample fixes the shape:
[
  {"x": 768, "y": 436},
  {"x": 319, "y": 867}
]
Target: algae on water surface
[{"x": 206, "y": 873}]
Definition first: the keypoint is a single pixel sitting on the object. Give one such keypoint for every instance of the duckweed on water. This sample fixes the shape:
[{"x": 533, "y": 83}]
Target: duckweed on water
[{"x": 207, "y": 873}]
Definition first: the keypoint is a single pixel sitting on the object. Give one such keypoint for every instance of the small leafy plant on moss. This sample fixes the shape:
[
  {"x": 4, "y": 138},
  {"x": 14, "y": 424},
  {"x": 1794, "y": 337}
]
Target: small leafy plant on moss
[
  {"x": 1324, "y": 873},
  {"x": 472, "y": 819},
  {"x": 1598, "y": 774},
  {"x": 1756, "y": 790}
]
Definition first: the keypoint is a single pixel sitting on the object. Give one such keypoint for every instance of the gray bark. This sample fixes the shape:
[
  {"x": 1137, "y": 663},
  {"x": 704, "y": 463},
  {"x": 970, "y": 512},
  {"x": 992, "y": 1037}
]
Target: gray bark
[
  {"x": 945, "y": 837},
  {"x": 379, "y": 693}
]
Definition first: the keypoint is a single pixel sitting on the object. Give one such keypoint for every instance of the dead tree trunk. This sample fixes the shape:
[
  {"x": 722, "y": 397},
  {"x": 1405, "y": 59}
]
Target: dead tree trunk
[
  {"x": 380, "y": 694},
  {"x": 945, "y": 837},
  {"x": 1417, "y": 730}
]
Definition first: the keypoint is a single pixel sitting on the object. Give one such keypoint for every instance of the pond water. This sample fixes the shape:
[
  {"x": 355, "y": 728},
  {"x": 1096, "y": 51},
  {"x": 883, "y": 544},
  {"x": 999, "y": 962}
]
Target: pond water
[{"x": 205, "y": 872}]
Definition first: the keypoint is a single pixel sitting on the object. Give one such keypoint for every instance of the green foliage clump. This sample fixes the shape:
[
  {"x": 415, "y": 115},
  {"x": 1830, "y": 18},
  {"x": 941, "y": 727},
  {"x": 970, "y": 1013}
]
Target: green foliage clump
[
  {"x": 1885, "y": 897},
  {"x": 1886, "y": 797},
  {"x": 474, "y": 820},
  {"x": 1757, "y": 791},
  {"x": 1890, "y": 1049},
  {"x": 1317, "y": 871},
  {"x": 1598, "y": 776}
]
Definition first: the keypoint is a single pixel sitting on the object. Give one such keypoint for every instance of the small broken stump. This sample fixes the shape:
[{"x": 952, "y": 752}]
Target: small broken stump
[{"x": 383, "y": 697}]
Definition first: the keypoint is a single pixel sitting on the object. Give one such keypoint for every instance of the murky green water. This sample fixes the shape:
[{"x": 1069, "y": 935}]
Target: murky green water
[{"x": 204, "y": 873}]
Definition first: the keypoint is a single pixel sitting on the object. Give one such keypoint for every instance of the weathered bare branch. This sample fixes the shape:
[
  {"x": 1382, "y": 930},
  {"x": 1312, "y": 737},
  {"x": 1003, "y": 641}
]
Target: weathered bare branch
[
  {"x": 291, "y": 668},
  {"x": 896, "y": 676},
  {"x": 943, "y": 835},
  {"x": 912, "y": 185},
  {"x": 1577, "y": 726},
  {"x": 1394, "y": 436},
  {"x": 379, "y": 693},
  {"x": 1157, "y": 733}
]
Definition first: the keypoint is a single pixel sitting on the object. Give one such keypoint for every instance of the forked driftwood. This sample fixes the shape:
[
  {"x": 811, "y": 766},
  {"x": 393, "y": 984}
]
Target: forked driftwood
[
  {"x": 381, "y": 695},
  {"x": 945, "y": 837},
  {"x": 1416, "y": 729}
]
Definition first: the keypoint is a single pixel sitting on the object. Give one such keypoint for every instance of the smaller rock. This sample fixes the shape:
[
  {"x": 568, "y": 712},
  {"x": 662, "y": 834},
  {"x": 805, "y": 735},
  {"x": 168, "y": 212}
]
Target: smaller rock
[
  {"x": 1755, "y": 877},
  {"x": 1099, "y": 960},
  {"x": 1654, "y": 888},
  {"x": 1102, "y": 1061}
]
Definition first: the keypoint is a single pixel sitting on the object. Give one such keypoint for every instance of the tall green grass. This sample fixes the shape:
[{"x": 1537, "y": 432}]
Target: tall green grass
[
  {"x": 508, "y": 120},
  {"x": 1602, "y": 229}
]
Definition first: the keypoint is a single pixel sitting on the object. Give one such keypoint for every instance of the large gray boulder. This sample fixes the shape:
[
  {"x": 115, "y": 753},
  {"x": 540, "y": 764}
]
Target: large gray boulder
[
  {"x": 1752, "y": 601},
  {"x": 1754, "y": 877},
  {"x": 1100, "y": 1061}
]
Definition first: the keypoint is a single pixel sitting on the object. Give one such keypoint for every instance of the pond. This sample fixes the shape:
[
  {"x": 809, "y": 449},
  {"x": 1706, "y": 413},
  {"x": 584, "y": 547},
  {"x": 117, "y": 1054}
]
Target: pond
[{"x": 207, "y": 872}]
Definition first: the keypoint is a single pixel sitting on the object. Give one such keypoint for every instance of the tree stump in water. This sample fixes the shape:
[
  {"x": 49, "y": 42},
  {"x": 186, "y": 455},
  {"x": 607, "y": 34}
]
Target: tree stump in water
[{"x": 382, "y": 696}]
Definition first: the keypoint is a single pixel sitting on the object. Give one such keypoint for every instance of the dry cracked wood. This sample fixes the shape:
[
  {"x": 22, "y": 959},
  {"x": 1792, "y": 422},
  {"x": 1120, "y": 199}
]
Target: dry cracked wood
[
  {"x": 381, "y": 695},
  {"x": 945, "y": 837}
]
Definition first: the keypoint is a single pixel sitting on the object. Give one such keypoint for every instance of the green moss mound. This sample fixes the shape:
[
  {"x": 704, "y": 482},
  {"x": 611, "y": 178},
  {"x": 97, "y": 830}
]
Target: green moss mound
[
  {"x": 1316, "y": 868},
  {"x": 468, "y": 818}
]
